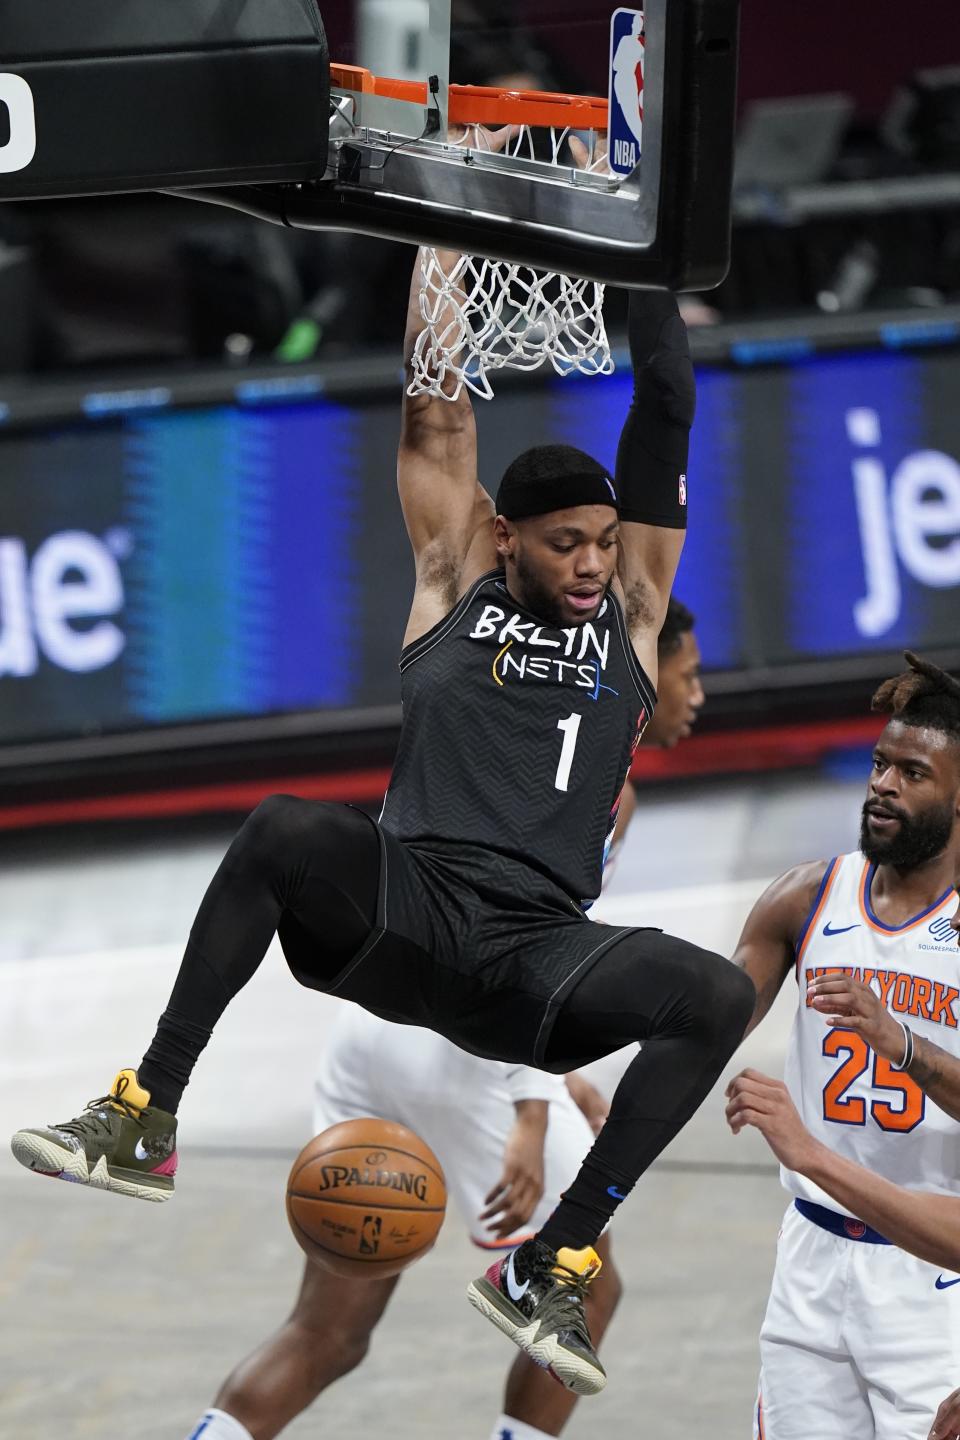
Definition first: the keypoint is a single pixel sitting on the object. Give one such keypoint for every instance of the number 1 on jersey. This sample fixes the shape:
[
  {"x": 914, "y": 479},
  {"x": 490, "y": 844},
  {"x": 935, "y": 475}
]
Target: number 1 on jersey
[{"x": 570, "y": 727}]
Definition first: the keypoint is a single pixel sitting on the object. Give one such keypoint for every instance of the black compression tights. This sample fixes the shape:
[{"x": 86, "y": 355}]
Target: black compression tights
[
  {"x": 690, "y": 1009},
  {"x": 307, "y": 870},
  {"x": 311, "y": 872}
]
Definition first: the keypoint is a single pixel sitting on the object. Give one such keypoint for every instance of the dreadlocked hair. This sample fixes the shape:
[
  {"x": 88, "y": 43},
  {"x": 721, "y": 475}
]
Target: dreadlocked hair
[{"x": 923, "y": 695}]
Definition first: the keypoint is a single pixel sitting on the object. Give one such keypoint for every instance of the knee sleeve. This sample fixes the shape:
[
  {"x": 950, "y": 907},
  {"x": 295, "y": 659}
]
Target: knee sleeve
[
  {"x": 725, "y": 1003},
  {"x": 701, "y": 995},
  {"x": 270, "y": 833},
  {"x": 291, "y": 839},
  {"x": 742, "y": 997}
]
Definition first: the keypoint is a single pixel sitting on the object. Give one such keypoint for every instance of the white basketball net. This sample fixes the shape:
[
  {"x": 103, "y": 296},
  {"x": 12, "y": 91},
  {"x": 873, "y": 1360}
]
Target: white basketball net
[{"x": 482, "y": 316}]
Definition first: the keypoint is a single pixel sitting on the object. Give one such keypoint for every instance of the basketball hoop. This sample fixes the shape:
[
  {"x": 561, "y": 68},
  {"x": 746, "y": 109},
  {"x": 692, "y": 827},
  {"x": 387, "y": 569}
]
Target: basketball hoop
[
  {"x": 488, "y": 315},
  {"x": 483, "y": 315}
]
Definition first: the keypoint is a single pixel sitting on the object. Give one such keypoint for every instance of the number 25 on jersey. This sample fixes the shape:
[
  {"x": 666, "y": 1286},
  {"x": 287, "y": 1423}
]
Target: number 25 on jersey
[{"x": 902, "y": 1113}]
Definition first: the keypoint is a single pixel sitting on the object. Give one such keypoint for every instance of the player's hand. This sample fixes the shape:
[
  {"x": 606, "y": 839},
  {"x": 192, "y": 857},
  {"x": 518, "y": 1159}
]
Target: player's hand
[
  {"x": 946, "y": 1425},
  {"x": 588, "y": 1099},
  {"x": 849, "y": 1004},
  {"x": 755, "y": 1099},
  {"x": 596, "y": 162},
  {"x": 483, "y": 137},
  {"x": 519, "y": 1190}
]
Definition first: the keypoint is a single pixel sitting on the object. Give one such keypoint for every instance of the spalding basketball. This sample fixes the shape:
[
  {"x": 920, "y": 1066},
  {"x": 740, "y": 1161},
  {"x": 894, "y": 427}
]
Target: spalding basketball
[{"x": 366, "y": 1198}]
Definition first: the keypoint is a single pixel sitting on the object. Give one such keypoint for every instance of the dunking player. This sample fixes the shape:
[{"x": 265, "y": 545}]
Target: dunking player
[
  {"x": 528, "y": 671},
  {"x": 861, "y": 1339},
  {"x": 508, "y": 1137}
]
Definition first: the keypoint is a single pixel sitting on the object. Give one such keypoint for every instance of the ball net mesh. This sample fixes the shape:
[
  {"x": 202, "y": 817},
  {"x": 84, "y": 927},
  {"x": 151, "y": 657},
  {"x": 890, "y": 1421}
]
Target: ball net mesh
[{"x": 483, "y": 315}]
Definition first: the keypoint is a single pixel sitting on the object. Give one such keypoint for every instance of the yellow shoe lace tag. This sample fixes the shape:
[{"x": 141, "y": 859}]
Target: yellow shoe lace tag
[
  {"x": 126, "y": 1087},
  {"x": 582, "y": 1262}
]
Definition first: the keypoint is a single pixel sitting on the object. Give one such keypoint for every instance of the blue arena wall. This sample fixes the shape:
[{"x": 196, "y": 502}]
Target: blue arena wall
[{"x": 171, "y": 565}]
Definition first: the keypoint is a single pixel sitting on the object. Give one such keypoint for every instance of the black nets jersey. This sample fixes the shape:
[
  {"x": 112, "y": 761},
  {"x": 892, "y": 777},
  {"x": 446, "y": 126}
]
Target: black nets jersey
[{"x": 517, "y": 737}]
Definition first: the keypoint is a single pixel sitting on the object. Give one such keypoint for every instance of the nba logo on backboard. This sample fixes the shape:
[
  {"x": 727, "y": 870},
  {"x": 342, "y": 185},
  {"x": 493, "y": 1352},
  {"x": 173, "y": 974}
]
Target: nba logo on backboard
[{"x": 626, "y": 90}]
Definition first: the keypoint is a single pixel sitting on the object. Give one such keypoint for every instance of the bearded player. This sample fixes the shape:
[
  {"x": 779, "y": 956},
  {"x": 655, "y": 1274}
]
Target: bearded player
[
  {"x": 862, "y": 1339},
  {"x": 528, "y": 673}
]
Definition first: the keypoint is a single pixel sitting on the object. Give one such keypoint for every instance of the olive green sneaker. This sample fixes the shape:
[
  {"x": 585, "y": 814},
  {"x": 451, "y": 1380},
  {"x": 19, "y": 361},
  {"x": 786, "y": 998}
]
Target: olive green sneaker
[
  {"x": 535, "y": 1296},
  {"x": 119, "y": 1143}
]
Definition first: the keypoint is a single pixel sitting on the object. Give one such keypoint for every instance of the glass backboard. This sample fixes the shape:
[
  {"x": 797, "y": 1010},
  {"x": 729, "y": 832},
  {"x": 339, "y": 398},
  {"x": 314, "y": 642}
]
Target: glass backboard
[
  {"x": 405, "y": 163},
  {"x": 416, "y": 89}
]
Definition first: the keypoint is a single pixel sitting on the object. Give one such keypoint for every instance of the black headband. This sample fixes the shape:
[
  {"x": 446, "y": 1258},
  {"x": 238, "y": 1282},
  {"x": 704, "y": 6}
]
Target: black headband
[{"x": 519, "y": 499}]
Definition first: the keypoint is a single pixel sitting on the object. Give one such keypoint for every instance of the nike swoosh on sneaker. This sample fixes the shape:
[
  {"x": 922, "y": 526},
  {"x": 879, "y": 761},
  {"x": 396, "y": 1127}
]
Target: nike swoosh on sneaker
[
  {"x": 514, "y": 1290},
  {"x": 842, "y": 929},
  {"x": 942, "y": 1284},
  {"x": 163, "y": 1148}
]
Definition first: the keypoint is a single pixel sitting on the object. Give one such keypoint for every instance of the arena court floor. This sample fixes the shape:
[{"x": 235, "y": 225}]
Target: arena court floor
[{"x": 119, "y": 1320}]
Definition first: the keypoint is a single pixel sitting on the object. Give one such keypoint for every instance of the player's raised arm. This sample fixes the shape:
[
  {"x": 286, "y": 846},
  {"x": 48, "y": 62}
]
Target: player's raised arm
[
  {"x": 766, "y": 948},
  {"x": 449, "y": 517},
  {"x": 652, "y": 466}
]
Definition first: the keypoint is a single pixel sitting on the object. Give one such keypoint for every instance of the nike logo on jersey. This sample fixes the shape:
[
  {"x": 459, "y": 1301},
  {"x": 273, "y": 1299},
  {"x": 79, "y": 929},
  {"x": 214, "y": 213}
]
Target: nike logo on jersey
[
  {"x": 945, "y": 1284},
  {"x": 842, "y": 930},
  {"x": 612, "y": 1190},
  {"x": 515, "y": 1291}
]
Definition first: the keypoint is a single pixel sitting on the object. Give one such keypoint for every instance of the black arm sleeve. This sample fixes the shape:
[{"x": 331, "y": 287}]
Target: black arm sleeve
[{"x": 654, "y": 446}]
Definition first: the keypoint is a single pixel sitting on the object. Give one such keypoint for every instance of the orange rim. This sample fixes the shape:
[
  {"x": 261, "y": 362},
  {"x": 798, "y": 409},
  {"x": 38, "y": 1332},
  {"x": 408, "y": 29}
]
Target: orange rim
[{"x": 483, "y": 104}]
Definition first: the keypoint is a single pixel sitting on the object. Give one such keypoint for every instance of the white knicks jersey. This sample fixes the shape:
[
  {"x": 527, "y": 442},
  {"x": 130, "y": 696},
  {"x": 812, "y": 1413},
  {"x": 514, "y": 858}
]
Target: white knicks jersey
[{"x": 851, "y": 1099}]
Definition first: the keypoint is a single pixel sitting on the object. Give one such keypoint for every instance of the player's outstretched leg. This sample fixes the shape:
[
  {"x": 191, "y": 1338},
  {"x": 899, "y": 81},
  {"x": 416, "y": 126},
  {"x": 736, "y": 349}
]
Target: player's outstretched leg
[
  {"x": 532, "y": 1404},
  {"x": 690, "y": 1009},
  {"x": 326, "y": 1336},
  {"x": 536, "y": 1297},
  {"x": 296, "y": 866},
  {"x": 121, "y": 1143}
]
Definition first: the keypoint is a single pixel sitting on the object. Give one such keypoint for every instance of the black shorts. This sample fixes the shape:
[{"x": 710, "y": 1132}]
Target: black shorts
[{"x": 468, "y": 942}]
